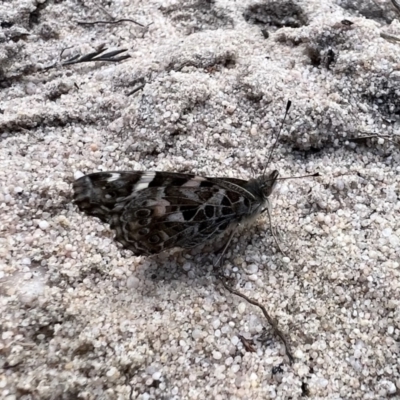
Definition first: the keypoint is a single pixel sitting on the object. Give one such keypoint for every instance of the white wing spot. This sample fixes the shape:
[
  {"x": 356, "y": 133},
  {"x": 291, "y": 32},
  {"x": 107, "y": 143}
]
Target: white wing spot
[
  {"x": 144, "y": 181},
  {"x": 194, "y": 182},
  {"x": 114, "y": 176}
]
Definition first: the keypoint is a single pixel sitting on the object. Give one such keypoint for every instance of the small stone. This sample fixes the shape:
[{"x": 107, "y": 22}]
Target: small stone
[
  {"x": 229, "y": 361},
  {"x": 242, "y": 308},
  {"x": 299, "y": 354},
  {"x": 3, "y": 381},
  {"x": 388, "y": 386},
  {"x": 30, "y": 88},
  {"x": 234, "y": 340},
  {"x": 197, "y": 334},
  {"x": 113, "y": 373},
  {"x": 235, "y": 368},
  {"x": 132, "y": 282},
  {"x": 217, "y": 355},
  {"x": 231, "y": 108},
  {"x": 156, "y": 376},
  {"x": 187, "y": 266},
  {"x": 394, "y": 240},
  {"x": 387, "y": 232},
  {"x": 216, "y": 323},
  {"x": 286, "y": 260},
  {"x": 44, "y": 225},
  {"x": 29, "y": 240},
  {"x": 252, "y": 269}
]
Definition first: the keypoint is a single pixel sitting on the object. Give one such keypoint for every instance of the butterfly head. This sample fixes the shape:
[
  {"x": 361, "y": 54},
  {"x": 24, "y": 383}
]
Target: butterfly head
[
  {"x": 263, "y": 186},
  {"x": 267, "y": 183}
]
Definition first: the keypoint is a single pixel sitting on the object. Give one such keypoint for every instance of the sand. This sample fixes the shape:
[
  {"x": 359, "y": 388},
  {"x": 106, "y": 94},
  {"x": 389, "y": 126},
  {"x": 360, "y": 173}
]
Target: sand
[{"x": 82, "y": 318}]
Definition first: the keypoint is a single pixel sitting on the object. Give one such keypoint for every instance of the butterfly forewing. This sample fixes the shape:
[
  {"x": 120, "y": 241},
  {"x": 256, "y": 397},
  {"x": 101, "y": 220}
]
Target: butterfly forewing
[{"x": 156, "y": 211}]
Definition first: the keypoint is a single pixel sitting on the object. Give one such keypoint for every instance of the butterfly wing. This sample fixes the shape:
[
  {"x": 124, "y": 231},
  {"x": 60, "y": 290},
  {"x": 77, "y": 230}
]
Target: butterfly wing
[{"x": 156, "y": 211}]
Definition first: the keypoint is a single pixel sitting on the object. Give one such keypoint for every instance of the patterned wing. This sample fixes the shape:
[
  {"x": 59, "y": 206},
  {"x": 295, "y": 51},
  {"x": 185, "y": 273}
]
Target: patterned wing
[{"x": 156, "y": 211}]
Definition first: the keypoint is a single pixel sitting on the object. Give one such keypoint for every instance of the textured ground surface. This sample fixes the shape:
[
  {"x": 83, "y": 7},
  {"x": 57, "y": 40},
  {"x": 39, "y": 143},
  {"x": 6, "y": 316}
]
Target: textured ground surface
[{"x": 82, "y": 319}]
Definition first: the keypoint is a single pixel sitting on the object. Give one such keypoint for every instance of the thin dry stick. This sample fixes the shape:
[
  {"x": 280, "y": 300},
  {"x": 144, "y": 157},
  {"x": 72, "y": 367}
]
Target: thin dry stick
[
  {"x": 396, "y": 5},
  {"x": 270, "y": 320},
  {"x": 111, "y": 22},
  {"x": 374, "y": 136},
  {"x": 386, "y": 36},
  {"x": 136, "y": 89}
]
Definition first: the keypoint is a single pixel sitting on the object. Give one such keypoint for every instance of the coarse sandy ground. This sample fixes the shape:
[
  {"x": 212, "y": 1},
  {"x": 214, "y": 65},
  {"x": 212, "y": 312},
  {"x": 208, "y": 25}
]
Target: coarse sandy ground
[{"x": 83, "y": 319}]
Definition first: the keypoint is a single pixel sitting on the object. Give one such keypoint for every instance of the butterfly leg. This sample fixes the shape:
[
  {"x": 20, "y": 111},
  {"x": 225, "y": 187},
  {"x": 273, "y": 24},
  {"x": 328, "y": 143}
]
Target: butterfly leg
[
  {"x": 223, "y": 249},
  {"x": 272, "y": 231}
]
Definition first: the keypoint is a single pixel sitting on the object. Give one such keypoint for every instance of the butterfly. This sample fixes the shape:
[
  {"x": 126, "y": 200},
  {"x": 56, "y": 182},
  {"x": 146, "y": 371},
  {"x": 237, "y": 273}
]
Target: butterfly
[{"x": 152, "y": 212}]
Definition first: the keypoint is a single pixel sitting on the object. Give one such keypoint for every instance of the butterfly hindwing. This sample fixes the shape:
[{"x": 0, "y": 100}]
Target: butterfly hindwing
[{"x": 156, "y": 211}]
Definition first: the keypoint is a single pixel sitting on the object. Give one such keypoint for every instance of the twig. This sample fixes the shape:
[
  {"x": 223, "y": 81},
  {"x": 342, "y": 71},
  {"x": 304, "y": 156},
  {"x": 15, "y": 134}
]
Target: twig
[
  {"x": 396, "y": 5},
  {"x": 65, "y": 48},
  {"x": 111, "y": 22},
  {"x": 270, "y": 320},
  {"x": 389, "y": 37},
  {"x": 98, "y": 56},
  {"x": 248, "y": 345},
  {"x": 374, "y": 136},
  {"x": 140, "y": 87}
]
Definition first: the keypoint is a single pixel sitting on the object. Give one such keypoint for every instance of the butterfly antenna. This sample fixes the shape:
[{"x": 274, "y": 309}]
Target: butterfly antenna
[
  {"x": 299, "y": 177},
  {"x": 288, "y": 104}
]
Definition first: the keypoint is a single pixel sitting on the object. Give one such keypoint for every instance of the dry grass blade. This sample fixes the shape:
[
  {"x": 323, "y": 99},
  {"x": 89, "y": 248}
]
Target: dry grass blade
[
  {"x": 98, "y": 55},
  {"x": 111, "y": 22}
]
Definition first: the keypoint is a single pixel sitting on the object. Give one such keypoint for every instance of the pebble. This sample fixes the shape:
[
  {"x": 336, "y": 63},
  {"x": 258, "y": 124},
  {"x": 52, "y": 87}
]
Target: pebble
[
  {"x": 44, "y": 225},
  {"x": 156, "y": 376},
  {"x": 234, "y": 340},
  {"x": 242, "y": 308},
  {"x": 387, "y": 232},
  {"x": 197, "y": 334},
  {"x": 235, "y": 368},
  {"x": 299, "y": 354},
  {"x": 132, "y": 282},
  {"x": 187, "y": 266},
  {"x": 252, "y": 269},
  {"x": 217, "y": 355},
  {"x": 216, "y": 323}
]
